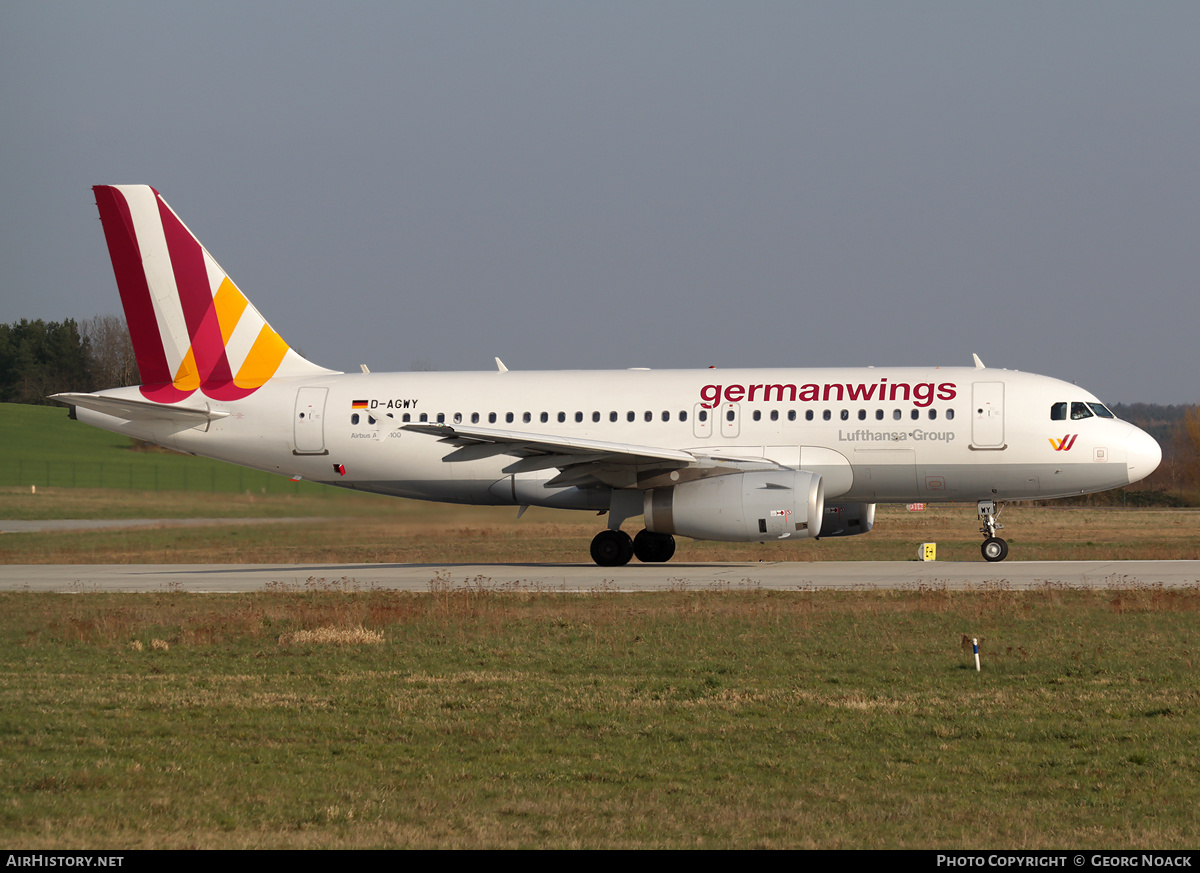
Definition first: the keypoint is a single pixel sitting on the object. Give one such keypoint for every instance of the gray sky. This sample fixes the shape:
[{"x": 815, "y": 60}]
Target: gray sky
[{"x": 610, "y": 185}]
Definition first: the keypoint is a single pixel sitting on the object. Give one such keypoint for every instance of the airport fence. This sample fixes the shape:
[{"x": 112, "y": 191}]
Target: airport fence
[{"x": 150, "y": 476}]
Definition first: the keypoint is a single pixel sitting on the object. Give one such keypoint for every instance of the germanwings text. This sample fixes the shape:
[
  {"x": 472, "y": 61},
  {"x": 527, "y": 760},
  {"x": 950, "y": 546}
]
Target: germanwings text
[{"x": 921, "y": 394}]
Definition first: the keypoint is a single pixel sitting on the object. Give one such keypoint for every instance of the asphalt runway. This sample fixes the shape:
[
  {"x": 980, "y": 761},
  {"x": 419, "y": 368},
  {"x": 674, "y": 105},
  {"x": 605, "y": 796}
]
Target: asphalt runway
[{"x": 833, "y": 576}]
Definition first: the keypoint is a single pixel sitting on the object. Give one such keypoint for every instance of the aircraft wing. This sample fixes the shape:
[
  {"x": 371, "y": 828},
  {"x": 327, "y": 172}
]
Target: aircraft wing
[
  {"x": 132, "y": 410},
  {"x": 579, "y": 460}
]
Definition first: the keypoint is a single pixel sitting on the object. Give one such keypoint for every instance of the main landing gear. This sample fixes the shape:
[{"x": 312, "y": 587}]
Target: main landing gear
[
  {"x": 993, "y": 548},
  {"x": 614, "y": 548}
]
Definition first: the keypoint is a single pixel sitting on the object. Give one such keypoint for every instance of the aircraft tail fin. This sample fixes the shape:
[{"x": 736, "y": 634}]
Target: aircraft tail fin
[{"x": 192, "y": 329}]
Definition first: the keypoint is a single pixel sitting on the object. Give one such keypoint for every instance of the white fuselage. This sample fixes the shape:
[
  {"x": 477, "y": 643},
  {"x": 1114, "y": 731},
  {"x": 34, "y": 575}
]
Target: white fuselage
[{"x": 872, "y": 434}]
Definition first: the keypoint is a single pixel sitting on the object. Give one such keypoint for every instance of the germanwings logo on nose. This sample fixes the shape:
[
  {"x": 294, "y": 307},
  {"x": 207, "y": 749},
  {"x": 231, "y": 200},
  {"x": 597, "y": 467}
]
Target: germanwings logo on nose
[{"x": 1063, "y": 445}]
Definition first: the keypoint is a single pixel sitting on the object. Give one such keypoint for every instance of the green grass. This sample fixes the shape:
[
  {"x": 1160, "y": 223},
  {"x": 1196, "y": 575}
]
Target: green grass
[
  {"x": 671, "y": 720},
  {"x": 44, "y": 448}
]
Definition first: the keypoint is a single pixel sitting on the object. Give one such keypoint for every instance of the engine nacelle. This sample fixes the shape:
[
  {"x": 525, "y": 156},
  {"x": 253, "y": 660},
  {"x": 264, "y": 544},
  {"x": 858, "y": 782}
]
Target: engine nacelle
[
  {"x": 847, "y": 519},
  {"x": 739, "y": 507}
]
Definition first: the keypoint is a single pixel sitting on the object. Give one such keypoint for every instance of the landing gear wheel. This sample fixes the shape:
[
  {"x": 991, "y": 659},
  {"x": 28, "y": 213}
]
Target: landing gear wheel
[
  {"x": 653, "y": 548},
  {"x": 994, "y": 549},
  {"x": 612, "y": 548}
]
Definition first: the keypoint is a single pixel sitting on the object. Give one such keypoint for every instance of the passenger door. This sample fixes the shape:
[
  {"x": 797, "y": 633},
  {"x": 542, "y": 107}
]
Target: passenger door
[{"x": 309, "y": 421}]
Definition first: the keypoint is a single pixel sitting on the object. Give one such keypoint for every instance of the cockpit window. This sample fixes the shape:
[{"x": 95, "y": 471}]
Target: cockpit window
[
  {"x": 1058, "y": 412},
  {"x": 1080, "y": 410},
  {"x": 1101, "y": 410}
]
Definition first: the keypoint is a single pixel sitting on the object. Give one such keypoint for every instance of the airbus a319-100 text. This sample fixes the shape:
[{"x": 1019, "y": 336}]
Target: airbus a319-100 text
[{"x": 736, "y": 455}]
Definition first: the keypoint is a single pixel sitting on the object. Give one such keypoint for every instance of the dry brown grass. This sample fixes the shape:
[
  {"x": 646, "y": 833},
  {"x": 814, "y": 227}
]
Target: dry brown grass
[
  {"x": 402, "y": 531},
  {"x": 338, "y": 636}
]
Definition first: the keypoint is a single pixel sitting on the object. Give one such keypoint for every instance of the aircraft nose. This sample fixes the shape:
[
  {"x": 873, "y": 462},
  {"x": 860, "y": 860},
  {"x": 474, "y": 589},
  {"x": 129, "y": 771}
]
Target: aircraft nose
[{"x": 1143, "y": 455}]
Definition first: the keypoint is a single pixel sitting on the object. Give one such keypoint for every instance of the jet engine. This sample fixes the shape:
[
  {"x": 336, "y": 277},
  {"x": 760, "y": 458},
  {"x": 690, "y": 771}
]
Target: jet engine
[{"x": 739, "y": 507}]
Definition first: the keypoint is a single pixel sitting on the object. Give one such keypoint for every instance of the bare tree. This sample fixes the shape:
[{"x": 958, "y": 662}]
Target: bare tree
[
  {"x": 110, "y": 353},
  {"x": 1187, "y": 447}
]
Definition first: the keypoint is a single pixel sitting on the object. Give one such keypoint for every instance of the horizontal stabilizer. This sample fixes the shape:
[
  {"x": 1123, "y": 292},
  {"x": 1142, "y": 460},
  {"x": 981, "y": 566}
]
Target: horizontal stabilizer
[{"x": 132, "y": 410}]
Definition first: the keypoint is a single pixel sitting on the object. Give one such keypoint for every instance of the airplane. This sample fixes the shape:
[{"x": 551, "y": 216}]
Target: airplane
[{"x": 740, "y": 455}]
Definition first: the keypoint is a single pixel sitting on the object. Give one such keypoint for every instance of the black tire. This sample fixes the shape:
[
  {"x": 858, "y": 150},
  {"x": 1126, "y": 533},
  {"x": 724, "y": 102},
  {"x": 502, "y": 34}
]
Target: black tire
[
  {"x": 994, "y": 549},
  {"x": 653, "y": 548},
  {"x": 612, "y": 548}
]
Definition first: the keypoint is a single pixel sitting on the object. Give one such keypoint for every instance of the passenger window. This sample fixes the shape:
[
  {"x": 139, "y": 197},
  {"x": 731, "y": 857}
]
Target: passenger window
[
  {"x": 545, "y": 417},
  {"x": 862, "y": 415},
  {"x": 458, "y": 418},
  {"x": 354, "y": 418},
  {"x": 791, "y": 415},
  {"x": 774, "y": 415},
  {"x": 896, "y": 414},
  {"x": 808, "y": 415},
  {"x": 827, "y": 415},
  {"x": 508, "y": 416},
  {"x": 474, "y": 418},
  {"x": 757, "y": 415},
  {"x": 879, "y": 415},
  {"x": 441, "y": 418},
  {"x": 612, "y": 416},
  {"x": 595, "y": 416},
  {"x": 1080, "y": 411},
  {"x": 649, "y": 415},
  {"x": 729, "y": 415},
  {"x": 845, "y": 415},
  {"x": 578, "y": 417},
  {"x": 406, "y": 417},
  {"x": 1058, "y": 412},
  {"x": 949, "y": 414},
  {"x": 932, "y": 414},
  {"x": 424, "y": 417},
  {"x": 666, "y": 416},
  {"x": 683, "y": 416},
  {"x": 704, "y": 415},
  {"x": 491, "y": 418},
  {"x": 527, "y": 417},
  {"x": 631, "y": 416},
  {"x": 916, "y": 413}
]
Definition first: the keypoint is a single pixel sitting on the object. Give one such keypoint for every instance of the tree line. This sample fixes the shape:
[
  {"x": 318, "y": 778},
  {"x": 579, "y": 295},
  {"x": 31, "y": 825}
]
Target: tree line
[{"x": 39, "y": 358}]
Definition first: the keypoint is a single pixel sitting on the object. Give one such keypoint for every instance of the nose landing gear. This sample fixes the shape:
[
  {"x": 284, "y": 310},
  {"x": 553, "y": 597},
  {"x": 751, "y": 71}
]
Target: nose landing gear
[{"x": 994, "y": 548}]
